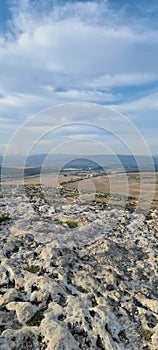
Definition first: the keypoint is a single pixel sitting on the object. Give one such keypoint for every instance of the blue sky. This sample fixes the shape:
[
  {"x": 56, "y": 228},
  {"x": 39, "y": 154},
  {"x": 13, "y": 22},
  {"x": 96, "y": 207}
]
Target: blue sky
[
  {"x": 55, "y": 52},
  {"x": 4, "y": 15}
]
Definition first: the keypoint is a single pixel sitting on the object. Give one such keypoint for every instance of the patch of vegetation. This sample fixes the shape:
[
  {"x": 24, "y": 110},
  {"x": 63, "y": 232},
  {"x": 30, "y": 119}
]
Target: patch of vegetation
[
  {"x": 130, "y": 207},
  {"x": 4, "y": 218},
  {"x": 100, "y": 195},
  {"x": 72, "y": 223},
  {"x": 32, "y": 268},
  {"x": 36, "y": 319},
  {"x": 59, "y": 222},
  {"x": 146, "y": 255},
  {"x": 130, "y": 198},
  {"x": 146, "y": 334},
  {"x": 103, "y": 204}
]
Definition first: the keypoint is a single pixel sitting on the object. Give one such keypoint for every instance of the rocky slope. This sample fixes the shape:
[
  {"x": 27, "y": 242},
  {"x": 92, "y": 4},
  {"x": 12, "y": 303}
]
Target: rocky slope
[{"x": 89, "y": 287}]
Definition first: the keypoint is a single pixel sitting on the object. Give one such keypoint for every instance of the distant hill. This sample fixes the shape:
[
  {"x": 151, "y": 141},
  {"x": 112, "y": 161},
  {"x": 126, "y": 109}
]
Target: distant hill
[{"x": 77, "y": 162}]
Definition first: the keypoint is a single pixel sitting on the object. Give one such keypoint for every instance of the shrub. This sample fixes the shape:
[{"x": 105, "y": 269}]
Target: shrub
[
  {"x": 71, "y": 223},
  {"x": 36, "y": 319},
  {"x": 59, "y": 222},
  {"x": 4, "y": 218},
  {"x": 32, "y": 268},
  {"x": 146, "y": 334}
]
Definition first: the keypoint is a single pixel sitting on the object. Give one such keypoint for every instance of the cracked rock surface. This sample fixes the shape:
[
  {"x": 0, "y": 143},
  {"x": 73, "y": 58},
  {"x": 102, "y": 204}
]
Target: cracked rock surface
[{"x": 90, "y": 287}]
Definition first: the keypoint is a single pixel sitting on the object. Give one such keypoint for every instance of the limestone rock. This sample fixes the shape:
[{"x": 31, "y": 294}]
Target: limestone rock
[{"x": 91, "y": 287}]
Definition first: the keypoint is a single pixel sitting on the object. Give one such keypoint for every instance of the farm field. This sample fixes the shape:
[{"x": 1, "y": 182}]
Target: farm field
[
  {"x": 101, "y": 187},
  {"x": 121, "y": 184}
]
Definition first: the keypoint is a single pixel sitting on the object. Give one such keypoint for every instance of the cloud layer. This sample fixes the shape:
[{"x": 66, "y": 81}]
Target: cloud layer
[{"x": 77, "y": 51}]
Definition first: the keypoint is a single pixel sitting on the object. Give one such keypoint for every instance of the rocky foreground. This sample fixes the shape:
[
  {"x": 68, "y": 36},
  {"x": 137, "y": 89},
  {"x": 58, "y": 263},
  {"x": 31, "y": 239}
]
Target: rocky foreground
[{"x": 63, "y": 287}]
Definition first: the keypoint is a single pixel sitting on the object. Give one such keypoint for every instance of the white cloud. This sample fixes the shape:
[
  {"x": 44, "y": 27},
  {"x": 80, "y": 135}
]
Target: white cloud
[
  {"x": 144, "y": 105},
  {"x": 119, "y": 80},
  {"x": 86, "y": 95},
  {"x": 73, "y": 49},
  {"x": 76, "y": 52}
]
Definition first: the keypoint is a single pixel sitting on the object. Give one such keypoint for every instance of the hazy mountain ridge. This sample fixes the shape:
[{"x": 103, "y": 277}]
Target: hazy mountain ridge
[{"x": 80, "y": 161}]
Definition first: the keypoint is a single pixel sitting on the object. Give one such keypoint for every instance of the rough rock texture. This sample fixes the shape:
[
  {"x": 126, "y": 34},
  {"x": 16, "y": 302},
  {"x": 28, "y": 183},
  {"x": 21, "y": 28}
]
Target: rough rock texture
[{"x": 91, "y": 287}]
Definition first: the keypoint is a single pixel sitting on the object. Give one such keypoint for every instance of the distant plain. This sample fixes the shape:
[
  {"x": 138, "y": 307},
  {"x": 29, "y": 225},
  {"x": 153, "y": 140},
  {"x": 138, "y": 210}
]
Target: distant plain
[{"x": 131, "y": 185}]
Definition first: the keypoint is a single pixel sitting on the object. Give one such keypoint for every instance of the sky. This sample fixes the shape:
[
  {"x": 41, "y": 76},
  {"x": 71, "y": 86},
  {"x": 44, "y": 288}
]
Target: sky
[{"x": 56, "y": 52}]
